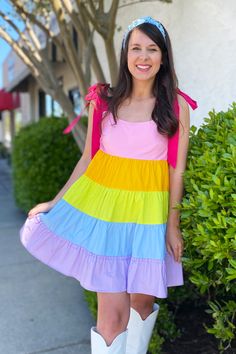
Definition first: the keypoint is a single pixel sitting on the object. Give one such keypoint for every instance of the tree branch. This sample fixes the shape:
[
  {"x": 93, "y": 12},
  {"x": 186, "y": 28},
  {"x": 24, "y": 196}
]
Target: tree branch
[
  {"x": 72, "y": 55},
  {"x": 90, "y": 17},
  {"x": 101, "y": 6},
  {"x": 34, "y": 20},
  {"x": 93, "y": 8},
  {"x": 44, "y": 74},
  {"x": 112, "y": 18},
  {"x": 113, "y": 9},
  {"x": 25, "y": 42},
  {"x": 75, "y": 18},
  {"x": 9, "y": 21},
  {"x": 17, "y": 48},
  {"x": 24, "y": 37}
]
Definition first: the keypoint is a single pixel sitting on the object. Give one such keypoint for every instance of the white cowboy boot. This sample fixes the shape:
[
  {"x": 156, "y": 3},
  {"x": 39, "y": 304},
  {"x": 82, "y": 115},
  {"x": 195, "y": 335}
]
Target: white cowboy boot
[
  {"x": 99, "y": 346},
  {"x": 140, "y": 331}
]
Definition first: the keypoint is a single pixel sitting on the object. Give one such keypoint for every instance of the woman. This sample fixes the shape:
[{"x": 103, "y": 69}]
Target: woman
[{"x": 113, "y": 225}]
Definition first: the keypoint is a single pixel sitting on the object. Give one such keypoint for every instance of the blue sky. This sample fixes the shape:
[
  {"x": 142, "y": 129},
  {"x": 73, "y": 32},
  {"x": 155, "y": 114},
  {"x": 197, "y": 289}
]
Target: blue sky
[{"x": 4, "y": 47}]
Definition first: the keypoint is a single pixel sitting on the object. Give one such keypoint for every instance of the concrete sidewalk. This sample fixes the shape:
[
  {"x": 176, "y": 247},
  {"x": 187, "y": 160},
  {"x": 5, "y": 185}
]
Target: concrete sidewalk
[{"x": 41, "y": 311}]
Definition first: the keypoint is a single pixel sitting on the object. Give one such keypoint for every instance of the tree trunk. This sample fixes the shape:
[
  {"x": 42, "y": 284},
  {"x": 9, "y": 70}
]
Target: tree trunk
[{"x": 112, "y": 61}]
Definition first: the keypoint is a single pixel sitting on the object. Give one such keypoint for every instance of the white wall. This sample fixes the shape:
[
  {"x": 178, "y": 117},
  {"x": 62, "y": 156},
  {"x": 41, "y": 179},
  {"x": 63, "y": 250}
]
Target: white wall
[{"x": 203, "y": 35}]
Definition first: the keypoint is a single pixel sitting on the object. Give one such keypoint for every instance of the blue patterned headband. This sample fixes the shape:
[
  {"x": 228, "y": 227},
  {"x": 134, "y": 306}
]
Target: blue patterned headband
[{"x": 140, "y": 21}]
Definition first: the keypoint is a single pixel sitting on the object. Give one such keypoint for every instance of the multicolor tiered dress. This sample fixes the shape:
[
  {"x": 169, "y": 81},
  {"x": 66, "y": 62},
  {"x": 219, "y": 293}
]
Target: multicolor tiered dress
[{"x": 108, "y": 230}]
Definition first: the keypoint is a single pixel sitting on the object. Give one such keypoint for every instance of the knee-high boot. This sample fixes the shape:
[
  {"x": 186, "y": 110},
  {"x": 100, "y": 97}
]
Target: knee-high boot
[
  {"x": 140, "y": 331},
  {"x": 99, "y": 346}
]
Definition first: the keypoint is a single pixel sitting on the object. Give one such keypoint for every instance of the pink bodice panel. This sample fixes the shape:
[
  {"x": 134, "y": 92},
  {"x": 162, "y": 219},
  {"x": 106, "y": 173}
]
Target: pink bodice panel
[
  {"x": 101, "y": 106},
  {"x": 138, "y": 140}
]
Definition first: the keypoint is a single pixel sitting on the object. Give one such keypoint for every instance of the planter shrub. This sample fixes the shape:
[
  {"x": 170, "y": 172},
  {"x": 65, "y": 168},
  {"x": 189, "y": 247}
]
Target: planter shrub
[
  {"x": 43, "y": 158},
  {"x": 208, "y": 225}
]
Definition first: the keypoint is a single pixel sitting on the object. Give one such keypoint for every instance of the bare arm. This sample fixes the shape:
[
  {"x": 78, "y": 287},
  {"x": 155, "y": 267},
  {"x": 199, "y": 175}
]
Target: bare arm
[
  {"x": 174, "y": 239},
  {"x": 79, "y": 169}
]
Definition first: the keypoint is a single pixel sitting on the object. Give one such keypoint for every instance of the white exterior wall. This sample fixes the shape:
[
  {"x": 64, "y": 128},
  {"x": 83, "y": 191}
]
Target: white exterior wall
[
  {"x": 203, "y": 36},
  {"x": 25, "y": 108}
]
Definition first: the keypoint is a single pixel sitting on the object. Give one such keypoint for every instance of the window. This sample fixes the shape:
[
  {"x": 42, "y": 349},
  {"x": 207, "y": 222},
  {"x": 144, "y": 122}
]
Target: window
[
  {"x": 75, "y": 97},
  {"x": 54, "y": 53},
  {"x": 75, "y": 38},
  {"x": 48, "y": 106},
  {"x": 53, "y": 108},
  {"x": 42, "y": 110}
]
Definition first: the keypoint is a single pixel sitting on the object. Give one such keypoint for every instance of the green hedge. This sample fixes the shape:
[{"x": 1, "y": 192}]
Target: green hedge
[
  {"x": 42, "y": 159},
  {"x": 208, "y": 222}
]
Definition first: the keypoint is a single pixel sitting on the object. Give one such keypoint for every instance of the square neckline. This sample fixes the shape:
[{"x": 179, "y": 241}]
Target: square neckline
[{"x": 132, "y": 122}]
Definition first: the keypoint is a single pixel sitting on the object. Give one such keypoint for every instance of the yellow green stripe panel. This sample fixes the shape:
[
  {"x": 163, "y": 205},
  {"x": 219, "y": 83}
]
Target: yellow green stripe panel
[{"x": 116, "y": 205}]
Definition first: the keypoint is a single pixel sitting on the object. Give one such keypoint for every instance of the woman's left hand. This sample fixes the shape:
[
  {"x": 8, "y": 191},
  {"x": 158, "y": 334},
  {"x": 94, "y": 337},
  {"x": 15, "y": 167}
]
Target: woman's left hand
[{"x": 174, "y": 242}]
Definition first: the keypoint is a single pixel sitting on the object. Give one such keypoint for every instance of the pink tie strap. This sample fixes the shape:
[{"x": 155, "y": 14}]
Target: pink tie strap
[
  {"x": 173, "y": 142},
  {"x": 191, "y": 102},
  {"x": 69, "y": 127},
  {"x": 91, "y": 95}
]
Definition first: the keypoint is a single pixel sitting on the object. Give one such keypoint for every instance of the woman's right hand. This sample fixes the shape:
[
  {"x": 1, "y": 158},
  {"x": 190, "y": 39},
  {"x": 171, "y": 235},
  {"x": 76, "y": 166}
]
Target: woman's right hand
[{"x": 40, "y": 208}]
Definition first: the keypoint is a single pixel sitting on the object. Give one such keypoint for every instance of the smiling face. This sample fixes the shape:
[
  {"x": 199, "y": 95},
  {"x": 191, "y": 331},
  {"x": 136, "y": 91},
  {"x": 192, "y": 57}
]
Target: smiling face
[{"x": 144, "y": 56}]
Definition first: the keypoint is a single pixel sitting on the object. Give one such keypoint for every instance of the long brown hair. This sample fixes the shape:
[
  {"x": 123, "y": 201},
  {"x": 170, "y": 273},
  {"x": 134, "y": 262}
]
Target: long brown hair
[{"x": 164, "y": 87}]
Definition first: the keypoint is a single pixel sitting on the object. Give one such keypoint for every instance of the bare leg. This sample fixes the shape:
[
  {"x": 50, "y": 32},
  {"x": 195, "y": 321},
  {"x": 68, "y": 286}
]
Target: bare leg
[
  {"x": 143, "y": 304},
  {"x": 113, "y": 314}
]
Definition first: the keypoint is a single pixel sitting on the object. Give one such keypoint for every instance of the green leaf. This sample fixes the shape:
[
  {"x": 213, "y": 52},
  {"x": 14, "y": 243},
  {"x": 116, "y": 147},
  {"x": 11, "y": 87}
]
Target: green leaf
[{"x": 233, "y": 262}]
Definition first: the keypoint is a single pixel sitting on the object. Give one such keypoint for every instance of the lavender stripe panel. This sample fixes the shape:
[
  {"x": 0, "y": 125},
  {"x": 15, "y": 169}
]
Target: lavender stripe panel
[
  {"x": 106, "y": 238},
  {"x": 99, "y": 273}
]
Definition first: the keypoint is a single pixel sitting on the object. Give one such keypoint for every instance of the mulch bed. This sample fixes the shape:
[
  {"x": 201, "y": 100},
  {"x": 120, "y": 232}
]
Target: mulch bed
[{"x": 194, "y": 339}]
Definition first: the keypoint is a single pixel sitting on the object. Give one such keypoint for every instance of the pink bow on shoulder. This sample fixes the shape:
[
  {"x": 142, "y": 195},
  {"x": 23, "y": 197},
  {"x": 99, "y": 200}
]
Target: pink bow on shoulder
[{"x": 91, "y": 95}]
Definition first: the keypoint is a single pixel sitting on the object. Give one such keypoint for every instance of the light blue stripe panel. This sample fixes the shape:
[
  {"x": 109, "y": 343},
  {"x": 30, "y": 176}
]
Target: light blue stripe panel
[{"x": 106, "y": 238}]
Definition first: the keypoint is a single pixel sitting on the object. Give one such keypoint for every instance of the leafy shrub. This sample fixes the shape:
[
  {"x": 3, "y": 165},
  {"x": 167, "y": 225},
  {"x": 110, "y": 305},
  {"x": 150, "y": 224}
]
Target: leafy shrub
[
  {"x": 91, "y": 298},
  {"x": 223, "y": 328},
  {"x": 208, "y": 212},
  {"x": 42, "y": 159},
  {"x": 165, "y": 328}
]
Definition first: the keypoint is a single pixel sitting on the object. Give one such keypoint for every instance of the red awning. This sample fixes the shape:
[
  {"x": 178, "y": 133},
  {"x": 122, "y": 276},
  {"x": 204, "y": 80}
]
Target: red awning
[{"x": 9, "y": 100}]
